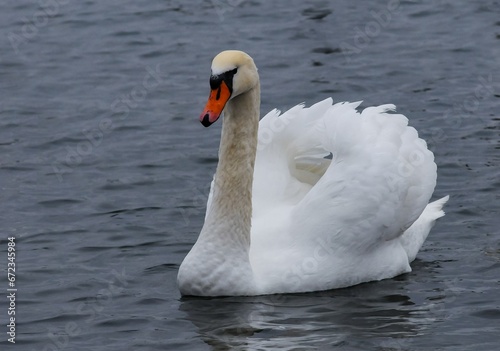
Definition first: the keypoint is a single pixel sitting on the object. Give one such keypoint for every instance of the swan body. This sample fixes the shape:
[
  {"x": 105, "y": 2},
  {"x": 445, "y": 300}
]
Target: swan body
[{"x": 312, "y": 199}]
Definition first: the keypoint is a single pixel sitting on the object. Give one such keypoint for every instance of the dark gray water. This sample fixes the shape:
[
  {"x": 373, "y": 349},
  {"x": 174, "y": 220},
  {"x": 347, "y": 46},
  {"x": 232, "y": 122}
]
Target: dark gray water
[{"x": 105, "y": 169}]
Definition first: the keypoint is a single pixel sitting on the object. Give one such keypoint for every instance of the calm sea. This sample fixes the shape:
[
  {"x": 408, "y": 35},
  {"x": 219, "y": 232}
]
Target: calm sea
[{"x": 105, "y": 168}]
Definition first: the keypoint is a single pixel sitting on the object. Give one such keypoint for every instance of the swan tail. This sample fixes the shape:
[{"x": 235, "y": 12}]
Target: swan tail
[
  {"x": 436, "y": 207},
  {"x": 414, "y": 237}
]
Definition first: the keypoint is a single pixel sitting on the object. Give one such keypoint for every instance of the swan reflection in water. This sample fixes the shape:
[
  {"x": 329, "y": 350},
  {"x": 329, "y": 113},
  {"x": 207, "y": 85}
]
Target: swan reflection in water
[{"x": 371, "y": 316}]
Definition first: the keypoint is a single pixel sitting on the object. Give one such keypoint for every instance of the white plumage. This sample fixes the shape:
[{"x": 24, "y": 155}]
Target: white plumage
[{"x": 338, "y": 197}]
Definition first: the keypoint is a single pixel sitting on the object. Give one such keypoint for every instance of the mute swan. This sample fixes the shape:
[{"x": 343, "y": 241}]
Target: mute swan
[{"x": 313, "y": 199}]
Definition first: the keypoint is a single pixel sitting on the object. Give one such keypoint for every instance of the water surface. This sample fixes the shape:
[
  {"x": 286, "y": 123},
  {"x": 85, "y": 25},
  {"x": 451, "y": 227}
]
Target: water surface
[{"x": 105, "y": 168}]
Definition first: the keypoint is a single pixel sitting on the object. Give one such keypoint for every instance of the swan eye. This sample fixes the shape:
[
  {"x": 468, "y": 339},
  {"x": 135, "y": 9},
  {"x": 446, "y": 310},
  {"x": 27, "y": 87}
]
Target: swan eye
[{"x": 227, "y": 77}]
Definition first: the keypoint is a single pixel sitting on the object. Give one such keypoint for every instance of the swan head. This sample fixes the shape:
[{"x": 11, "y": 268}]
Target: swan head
[{"x": 233, "y": 73}]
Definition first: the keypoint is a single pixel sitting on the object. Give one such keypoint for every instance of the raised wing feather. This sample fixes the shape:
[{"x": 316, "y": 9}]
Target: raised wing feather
[{"x": 351, "y": 178}]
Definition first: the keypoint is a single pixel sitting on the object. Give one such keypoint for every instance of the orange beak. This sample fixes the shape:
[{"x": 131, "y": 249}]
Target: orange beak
[{"x": 216, "y": 102}]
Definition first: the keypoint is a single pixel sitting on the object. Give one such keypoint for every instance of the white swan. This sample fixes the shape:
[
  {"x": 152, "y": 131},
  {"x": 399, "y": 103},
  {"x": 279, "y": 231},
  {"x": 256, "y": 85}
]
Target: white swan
[{"x": 316, "y": 198}]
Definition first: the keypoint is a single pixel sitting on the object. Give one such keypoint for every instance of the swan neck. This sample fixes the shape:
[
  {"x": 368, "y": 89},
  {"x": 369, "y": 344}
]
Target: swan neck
[{"x": 231, "y": 210}]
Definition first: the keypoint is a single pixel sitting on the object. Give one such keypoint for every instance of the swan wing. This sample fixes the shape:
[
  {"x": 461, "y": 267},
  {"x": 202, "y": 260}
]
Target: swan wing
[
  {"x": 379, "y": 181},
  {"x": 329, "y": 177}
]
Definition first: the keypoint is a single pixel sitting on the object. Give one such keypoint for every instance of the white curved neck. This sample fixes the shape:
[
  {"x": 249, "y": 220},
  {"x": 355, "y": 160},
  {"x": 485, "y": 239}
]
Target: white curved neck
[
  {"x": 219, "y": 262},
  {"x": 230, "y": 213}
]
